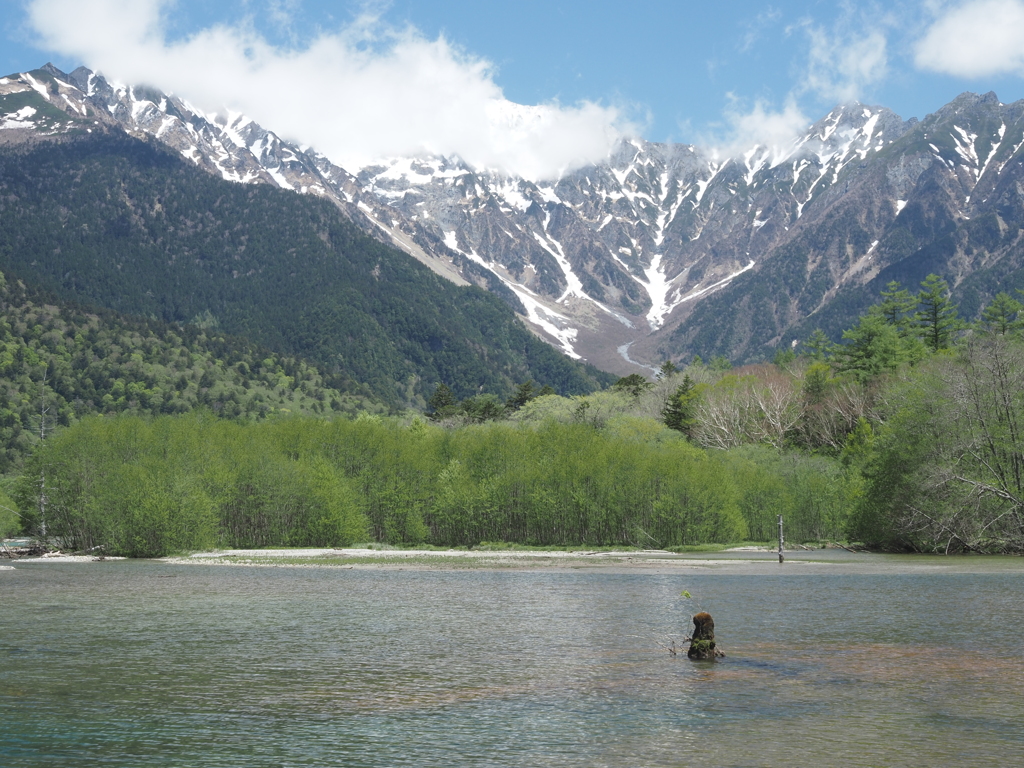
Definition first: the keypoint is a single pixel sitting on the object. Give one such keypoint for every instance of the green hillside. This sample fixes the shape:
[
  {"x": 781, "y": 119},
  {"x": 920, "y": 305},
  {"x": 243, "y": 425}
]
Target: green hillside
[
  {"x": 59, "y": 363},
  {"x": 125, "y": 224}
]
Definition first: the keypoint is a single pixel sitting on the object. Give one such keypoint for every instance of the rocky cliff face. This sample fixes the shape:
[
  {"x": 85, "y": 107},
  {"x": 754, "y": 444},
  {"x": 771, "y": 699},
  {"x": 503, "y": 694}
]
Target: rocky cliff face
[{"x": 660, "y": 252}]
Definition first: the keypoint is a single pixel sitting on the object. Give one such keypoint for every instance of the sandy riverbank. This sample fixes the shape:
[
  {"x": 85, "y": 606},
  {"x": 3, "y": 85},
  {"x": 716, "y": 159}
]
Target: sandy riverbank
[
  {"x": 355, "y": 557},
  {"x": 739, "y": 560},
  {"x": 451, "y": 558}
]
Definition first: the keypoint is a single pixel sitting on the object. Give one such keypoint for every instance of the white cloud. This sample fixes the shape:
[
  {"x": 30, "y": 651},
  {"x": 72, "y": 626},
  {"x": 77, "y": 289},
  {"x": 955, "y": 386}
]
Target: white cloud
[
  {"x": 975, "y": 39},
  {"x": 760, "y": 125},
  {"x": 357, "y": 94},
  {"x": 842, "y": 64},
  {"x": 758, "y": 26},
  {"x": 282, "y": 14}
]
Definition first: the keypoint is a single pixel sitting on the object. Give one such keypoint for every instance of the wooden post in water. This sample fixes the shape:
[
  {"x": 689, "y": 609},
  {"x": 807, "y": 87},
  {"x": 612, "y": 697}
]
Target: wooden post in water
[{"x": 781, "y": 558}]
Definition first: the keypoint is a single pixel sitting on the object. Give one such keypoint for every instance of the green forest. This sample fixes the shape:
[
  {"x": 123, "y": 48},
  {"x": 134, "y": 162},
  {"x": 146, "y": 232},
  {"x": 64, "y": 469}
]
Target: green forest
[
  {"x": 905, "y": 436},
  {"x": 105, "y": 220},
  {"x": 59, "y": 363}
]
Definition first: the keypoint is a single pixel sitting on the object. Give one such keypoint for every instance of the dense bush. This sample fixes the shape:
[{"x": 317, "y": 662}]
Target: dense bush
[
  {"x": 947, "y": 469},
  {"x": 150, "y": 486},
  {"x": 147, "y": 487}
]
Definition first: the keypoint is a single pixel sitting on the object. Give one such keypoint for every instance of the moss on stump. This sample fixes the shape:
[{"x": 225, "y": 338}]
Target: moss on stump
[{"x": 702, "y": 643}]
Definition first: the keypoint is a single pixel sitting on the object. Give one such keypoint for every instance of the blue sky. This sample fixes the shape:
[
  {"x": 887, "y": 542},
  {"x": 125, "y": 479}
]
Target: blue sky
[{"x": 427, "y": 76}]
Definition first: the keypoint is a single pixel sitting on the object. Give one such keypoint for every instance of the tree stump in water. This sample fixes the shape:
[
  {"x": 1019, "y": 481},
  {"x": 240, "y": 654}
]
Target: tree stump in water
[{"x": 702, "y": 644}]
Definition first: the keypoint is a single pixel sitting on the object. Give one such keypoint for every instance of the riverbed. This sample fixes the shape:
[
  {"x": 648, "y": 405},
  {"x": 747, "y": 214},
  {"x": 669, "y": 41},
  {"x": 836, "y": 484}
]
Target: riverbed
[{"x": 832, "y": 659}]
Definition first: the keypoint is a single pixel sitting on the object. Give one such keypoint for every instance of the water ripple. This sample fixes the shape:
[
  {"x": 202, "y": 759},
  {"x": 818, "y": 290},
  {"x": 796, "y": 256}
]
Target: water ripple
[{"x": 289, "y": 667}]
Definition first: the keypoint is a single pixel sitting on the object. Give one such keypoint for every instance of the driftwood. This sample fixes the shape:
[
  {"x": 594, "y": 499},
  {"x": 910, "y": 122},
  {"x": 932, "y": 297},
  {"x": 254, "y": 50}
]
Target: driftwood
[
  {"x": 36, "y": 550},
  {"x": 702, "y": 644}
]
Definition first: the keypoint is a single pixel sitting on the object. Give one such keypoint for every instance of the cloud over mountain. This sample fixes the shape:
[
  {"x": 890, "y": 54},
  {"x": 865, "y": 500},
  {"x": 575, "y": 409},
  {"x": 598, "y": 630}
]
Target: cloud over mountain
[{"x": 357, "y": 93}]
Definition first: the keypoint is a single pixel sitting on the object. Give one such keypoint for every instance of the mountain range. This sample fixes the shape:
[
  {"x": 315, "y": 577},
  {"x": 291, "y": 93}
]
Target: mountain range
[
  {"x": 661, "y": 251},
  {"x": 96, "y": 217}
]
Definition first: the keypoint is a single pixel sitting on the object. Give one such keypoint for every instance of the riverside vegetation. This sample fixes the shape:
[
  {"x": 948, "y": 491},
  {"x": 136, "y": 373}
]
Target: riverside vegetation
[{"x": 906, "y": 436}]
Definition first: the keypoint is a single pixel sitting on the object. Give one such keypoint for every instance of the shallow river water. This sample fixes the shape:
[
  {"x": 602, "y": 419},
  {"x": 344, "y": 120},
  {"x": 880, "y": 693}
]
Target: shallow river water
[{"x": 860, "y": 660}]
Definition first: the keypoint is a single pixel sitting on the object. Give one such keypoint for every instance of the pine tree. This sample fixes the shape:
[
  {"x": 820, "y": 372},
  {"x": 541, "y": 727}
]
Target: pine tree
[
  {"x": 936, "y": 318},
  {"x": 897, "y": 307},
  {"x": 524, "y": 393},
  {"x": 1003, "y": 315},
  {"x": 667, "y": 369},
  {"x": 680, "y": 411},
  {"x": 442, "y": 403},
  {"x": 819, "y": 346},
  {"x": 784, "y": 357},
  {"x": 873, "y": 347},
  {"x": 634, "y": 384}
]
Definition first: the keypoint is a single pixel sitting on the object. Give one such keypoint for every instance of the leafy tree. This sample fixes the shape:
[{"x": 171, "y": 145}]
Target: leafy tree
[
  {"x": 10, "y": 518},
  {"x": 698, "y": 505},
  {"x": 148, "y": 486},
  {"x": 857, "y": 450},
  {"x": 946, "y": 471},
  {"x": 764, "y": 490}
]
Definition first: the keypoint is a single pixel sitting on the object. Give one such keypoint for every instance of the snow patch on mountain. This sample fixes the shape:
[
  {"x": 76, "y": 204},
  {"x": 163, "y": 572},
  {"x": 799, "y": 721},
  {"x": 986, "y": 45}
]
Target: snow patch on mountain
[
  {"x": 19, "y": 119},
  {"x": 714, "y": 286},
  {"x": 640, "y": 237}
]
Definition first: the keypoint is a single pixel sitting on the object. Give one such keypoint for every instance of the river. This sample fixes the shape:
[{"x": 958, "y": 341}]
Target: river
[{"x": 847, "y": 661}]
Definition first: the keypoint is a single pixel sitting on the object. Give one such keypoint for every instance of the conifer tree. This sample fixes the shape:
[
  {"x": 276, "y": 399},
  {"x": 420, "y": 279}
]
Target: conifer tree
[
  {"x": 873, "y": 347},
  {"x": 680, "y": 411},
  {"x": 897, "y": 307},
  {"x": 667, "y": 369},
  {"x": 634, "y": 384},
  {"x": 442, "y": 403},
  {"x": 819, "y": 346},
  {"x": 784, "y": 356},
  {"x": 937, "y": 315},
  {"x": 524, "y": 393},
  {"x": 1003, "y": 315}
]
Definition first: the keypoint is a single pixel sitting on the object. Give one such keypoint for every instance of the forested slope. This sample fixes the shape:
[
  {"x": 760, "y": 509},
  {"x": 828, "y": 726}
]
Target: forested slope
[
  {"x": 60, "y": 363},
  {"x": 110, "y": 220}
]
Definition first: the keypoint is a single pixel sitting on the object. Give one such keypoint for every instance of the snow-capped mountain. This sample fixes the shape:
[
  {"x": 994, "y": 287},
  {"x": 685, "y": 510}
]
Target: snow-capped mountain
[{"x": 659, "y": 252}]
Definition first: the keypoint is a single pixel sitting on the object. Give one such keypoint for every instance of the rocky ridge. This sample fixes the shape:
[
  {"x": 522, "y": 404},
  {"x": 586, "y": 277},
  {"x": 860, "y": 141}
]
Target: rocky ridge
[{"x": 661, "y": 251}]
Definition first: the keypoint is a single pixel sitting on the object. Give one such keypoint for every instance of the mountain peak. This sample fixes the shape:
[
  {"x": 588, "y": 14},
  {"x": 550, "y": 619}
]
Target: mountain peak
[{"x": 638, "y": 249}]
